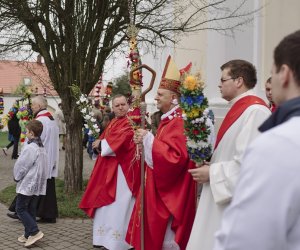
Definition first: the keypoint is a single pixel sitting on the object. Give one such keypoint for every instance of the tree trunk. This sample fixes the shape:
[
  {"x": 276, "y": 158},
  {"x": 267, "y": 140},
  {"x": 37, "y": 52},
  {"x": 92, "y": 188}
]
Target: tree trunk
[{"x": 74, "y": 155}]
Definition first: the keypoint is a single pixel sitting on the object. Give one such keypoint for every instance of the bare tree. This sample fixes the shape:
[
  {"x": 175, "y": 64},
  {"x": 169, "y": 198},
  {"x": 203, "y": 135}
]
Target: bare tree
[{"x": 76, "y": 37}]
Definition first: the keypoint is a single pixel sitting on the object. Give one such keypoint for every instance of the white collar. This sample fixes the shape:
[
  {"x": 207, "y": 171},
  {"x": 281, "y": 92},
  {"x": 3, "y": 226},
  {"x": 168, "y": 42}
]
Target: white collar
[
  {"x": 169, "y": 112},
  {"x": 248, "y": 92}
]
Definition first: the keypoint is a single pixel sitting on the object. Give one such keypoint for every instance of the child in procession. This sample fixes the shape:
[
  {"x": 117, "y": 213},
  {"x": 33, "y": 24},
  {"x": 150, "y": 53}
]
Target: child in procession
[{"x": 31, "y": 177}]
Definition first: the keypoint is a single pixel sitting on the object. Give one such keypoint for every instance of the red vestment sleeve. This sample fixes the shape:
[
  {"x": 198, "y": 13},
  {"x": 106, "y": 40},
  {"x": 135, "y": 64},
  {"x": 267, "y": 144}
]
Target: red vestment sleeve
[{"x": 125, "y": 150}]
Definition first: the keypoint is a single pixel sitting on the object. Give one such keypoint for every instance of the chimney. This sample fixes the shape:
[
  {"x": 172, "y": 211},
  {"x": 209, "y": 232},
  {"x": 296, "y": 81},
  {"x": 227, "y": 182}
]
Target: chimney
[{"x": 39, "y": 59}]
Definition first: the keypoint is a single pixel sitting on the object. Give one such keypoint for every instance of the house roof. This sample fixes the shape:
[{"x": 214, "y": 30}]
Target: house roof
[{"x": 33, "y": 74}]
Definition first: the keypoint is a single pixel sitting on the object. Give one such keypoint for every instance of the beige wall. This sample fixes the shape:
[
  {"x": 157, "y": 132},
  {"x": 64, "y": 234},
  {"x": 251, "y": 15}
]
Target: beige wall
[
  {"x": 254, "y": 42},
  {"x": 279, "y": 18},
  {"x": 192, "y": 48}
]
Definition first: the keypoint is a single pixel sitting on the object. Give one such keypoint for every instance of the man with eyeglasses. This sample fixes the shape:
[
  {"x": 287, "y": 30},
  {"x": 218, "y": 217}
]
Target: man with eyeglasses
[
  {"x": 264, "y": 214},
  {"x": 238, "y": 129}
]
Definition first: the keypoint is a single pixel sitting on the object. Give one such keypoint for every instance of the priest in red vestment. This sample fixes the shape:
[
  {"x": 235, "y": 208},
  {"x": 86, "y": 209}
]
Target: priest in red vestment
[
  {"x": 170, "y": 192},
  {"x": 114, "y": 183}
]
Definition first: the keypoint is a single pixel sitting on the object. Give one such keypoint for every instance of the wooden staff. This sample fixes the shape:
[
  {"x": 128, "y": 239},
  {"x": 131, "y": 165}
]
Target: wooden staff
[{"x": 143, "y": 108}]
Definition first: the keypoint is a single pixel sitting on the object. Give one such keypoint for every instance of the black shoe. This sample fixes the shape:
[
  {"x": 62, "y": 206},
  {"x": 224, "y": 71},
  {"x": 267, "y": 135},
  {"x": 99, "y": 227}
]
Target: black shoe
[
  {"x": 46, "y": 220},
  {"x": 13, "y": 216}
]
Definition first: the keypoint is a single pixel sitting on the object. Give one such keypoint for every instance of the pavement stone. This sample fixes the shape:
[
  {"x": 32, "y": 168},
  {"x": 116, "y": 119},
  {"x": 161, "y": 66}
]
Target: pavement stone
[{"x": 66, "y": 233}]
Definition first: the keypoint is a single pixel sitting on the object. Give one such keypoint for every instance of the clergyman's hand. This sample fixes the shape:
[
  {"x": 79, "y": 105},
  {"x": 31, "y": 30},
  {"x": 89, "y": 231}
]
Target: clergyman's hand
[
  {"x": 96, "y": 143},
  {"x": 139, "y": 135},
  {"x": 200, "y": 174}
]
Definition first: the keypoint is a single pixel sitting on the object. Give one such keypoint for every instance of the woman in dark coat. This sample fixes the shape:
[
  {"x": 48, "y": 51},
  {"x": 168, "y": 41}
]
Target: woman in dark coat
[{"x": 15, "y": 130}]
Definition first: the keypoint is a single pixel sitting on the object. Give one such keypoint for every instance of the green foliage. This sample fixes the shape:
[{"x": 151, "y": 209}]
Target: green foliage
[
  {"x": 3, "y": 139},
  {"x": 121, "y": 86},
  {"x": 21, "y": 89},
  {"x": 67, "y": 203},
  {"x": 8, "y": 194}
]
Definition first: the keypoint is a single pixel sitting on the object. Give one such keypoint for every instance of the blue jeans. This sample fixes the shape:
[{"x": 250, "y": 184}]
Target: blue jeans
[
  {"x": 90, "y": 150},
  {"x": 26, "y": 210}
]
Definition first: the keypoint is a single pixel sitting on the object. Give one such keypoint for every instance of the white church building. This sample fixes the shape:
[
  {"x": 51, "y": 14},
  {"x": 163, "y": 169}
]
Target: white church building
[{"x": 253, "y": 42}]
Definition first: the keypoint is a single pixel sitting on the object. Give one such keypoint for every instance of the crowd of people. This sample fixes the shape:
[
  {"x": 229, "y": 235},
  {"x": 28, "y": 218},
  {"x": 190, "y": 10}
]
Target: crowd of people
[
  {"x": 250, "y": 188},
  {"x": 241, "y": 177}
]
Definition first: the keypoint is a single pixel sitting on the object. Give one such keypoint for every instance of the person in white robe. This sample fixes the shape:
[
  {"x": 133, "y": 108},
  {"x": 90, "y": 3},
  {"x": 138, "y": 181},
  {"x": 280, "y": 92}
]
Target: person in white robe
[
  {"x": 109, "y": 230},
  {"x": 264, "y": 212},
  {"x": 47, "y": 206},
  {"x": 220, "y": 175}
]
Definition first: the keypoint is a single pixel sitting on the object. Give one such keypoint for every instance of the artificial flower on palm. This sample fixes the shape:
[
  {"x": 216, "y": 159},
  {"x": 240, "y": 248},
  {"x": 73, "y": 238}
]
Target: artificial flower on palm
[
  {"x": 1, "y": 103},
  {"x": 85, "y": 108},
  {"x": 13, "y": 111},
  {"x": 24, "y": 115},
  {"x": 197, "y": 118},
  {"x": 22, "y": 110}
]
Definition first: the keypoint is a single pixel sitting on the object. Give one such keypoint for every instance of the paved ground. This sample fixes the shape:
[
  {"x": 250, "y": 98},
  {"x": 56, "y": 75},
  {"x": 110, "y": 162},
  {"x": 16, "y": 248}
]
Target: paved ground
[{"x": 65, "y": 234}]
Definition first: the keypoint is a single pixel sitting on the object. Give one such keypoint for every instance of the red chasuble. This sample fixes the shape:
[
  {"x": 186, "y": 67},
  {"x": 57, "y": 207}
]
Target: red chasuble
[
  {"x": 235, "y": 112},
  {"x": 101, "y": 189},
  {"x": 169, "y": 190}
]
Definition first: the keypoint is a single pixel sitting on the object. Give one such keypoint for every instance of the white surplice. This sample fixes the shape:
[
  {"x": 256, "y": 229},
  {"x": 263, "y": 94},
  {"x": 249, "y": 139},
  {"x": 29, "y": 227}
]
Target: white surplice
[
  {"x": 50, "y": 140},
  {"x": 265, "y": 210},
  {"x": 29, "y": 170},
  {"x": 110, "y": 222},
  {"x": 224, "y": 172}
]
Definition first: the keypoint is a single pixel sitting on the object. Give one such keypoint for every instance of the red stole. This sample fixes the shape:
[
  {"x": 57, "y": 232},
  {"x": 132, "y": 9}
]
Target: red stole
[
  {"x": 273, "y": 107},
  {"x": 235, "y": 112},
  {"x": 48, "y": 114}
]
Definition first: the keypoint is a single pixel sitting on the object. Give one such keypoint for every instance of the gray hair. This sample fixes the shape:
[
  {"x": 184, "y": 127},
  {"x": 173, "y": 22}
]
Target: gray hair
[{"x": 42, "y": 101}]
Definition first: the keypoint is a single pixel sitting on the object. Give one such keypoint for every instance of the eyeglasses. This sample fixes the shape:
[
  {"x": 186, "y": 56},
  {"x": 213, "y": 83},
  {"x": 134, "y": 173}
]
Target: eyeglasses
[{"x": 224, "y": 80}]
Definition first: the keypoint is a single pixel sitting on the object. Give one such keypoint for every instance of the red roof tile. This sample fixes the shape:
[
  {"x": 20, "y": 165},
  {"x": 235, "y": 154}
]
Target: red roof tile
[{"x": 15, "y": 73}]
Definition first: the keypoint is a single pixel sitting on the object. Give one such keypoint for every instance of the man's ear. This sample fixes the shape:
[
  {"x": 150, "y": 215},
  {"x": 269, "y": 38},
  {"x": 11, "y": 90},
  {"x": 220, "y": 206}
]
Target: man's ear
[
  {"x": 239, "y": 82},
  {"x": 284, "y": 75},
  {"x": 173, "y": 96}
]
